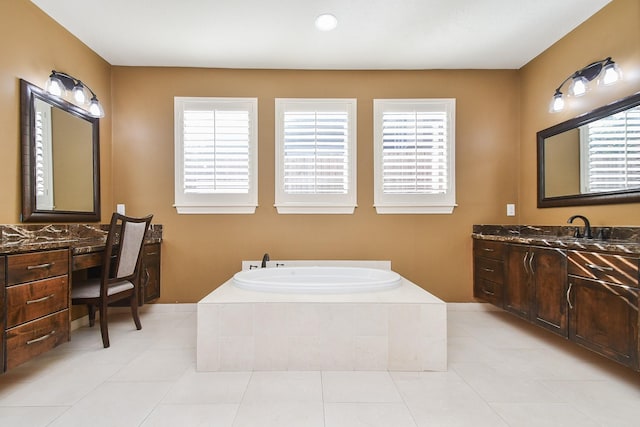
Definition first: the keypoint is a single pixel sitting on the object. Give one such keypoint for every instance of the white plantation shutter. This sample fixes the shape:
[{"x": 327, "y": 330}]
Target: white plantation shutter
[
  {"x": 216, "y": 151},
  {"x": 612, "y": 148},
  {"x": 315, "y": 155},
  {"x": 414, "y": 167},
  {"x": 414, "y": 152},
  {"x": 316, "y": 152},
  {"x": 216, "y": 155}
]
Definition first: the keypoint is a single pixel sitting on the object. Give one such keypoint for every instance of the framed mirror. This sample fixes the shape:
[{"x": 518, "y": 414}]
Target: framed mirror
[
  {"x": 60, "y": 159},
  {"x": 592, "y": 159}
]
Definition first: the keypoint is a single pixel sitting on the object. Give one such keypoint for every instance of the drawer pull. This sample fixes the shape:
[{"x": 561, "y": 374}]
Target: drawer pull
[
  {"x": 42, "y": 338},
  {"x": 152, "y": 253},
  {"x": 488, "y": 250},
  {"x": 33, "y": 301},
  {"x": 39, "y": 266},
  {"x": 486, "y": 292},
  {"x": 599, "y": 267},
  {"x": 489, "y": 270}
]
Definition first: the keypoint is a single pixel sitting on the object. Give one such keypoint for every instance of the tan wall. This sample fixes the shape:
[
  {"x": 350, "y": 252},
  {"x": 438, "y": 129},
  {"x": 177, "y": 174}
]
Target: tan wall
[
  {"x": 200, "y": 252},
  {"x": 32, "y": 45},
  {"x": 615, "y": 32}
]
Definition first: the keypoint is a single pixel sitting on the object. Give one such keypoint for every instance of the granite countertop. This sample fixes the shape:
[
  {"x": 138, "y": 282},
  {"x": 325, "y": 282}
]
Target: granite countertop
[
  {"x": 79, "y": 238},
  {"x": 619, "y": 240}
]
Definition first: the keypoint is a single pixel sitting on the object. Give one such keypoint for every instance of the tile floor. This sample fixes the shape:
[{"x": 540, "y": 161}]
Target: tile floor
[{"x": 502, "y": 372}]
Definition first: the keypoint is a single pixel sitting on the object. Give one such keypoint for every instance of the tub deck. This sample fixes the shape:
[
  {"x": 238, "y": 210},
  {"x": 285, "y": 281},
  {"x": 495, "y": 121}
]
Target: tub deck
[{"x": 402, "y": 329}]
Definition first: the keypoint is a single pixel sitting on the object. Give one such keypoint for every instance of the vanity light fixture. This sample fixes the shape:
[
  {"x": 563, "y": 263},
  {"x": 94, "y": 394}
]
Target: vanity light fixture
[
  {"x": 59, "y": 83},
  {"x": 326, "y": 22},
  {"x": 606, "y": 70}
]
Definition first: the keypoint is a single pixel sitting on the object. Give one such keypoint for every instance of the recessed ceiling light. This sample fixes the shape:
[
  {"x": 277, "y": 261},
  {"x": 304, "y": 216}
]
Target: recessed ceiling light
[{"x": 326, "y": 22}]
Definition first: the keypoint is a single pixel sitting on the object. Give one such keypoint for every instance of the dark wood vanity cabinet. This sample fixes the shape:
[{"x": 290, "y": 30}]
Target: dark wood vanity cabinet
[
  {"x": 536, "y": 284},
  {"x": 589, "y": 297},
  {"x": 150, "y": 273},
  {"x": 603, "y": 298}
]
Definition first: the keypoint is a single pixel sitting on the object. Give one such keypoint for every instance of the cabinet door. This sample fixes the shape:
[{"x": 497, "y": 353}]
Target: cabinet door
[
  {"x": 151, "y": 273},
  {"x": 604, "y": 318},
  {"x": 517, "y": 287},
  {"x": 549, "y": 275}
]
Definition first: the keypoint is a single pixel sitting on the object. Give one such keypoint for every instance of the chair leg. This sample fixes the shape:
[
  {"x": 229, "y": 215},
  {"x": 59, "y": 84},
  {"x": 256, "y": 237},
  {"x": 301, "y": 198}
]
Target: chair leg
[
  {"x": 134, "y": 312},
  {"x": 103, "y": 325},
  {"x": 92, "y": 314}
]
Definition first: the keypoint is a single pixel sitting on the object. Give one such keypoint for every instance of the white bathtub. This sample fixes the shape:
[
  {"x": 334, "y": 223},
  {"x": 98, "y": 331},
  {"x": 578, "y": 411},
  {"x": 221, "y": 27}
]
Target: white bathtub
[
  {"x": 316, "y": 279},
  {"x": 400, "y": 328}
]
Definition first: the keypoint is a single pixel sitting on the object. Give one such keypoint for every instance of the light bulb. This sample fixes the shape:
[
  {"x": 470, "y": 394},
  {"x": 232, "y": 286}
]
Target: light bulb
[
  {"x": 578, "y": 86},
  {"x": 95, "y": 108},
  {"x": 610, "y": 74},
  {"x": 79, "y": 94},
  {"x": 557, "y": 103},
  {"x": 54, "y": 86}
]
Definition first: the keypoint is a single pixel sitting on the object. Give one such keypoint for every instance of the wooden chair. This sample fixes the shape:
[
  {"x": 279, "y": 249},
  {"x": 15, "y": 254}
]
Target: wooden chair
[{"x": 120, "y": 272}]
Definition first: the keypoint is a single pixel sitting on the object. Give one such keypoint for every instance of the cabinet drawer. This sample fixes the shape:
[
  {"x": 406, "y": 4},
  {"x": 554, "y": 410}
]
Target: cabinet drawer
[
  {"x": 27, "y": 341},
  {"x": 488, "y": 249},
  {"x": 610, "y": 268},
  {"x": 490, "y": 269},
  {"x": 489, "y": 291},
  {"x": 36, "y": 299},
  {"x": 37, "y": 265}
]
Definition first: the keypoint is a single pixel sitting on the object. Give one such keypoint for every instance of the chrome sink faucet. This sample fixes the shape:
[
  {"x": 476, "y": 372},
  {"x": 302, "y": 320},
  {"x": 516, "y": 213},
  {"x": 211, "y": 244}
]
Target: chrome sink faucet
[
  {"x": 265, "y": 258},
  {"x": 587, "y": 227}
]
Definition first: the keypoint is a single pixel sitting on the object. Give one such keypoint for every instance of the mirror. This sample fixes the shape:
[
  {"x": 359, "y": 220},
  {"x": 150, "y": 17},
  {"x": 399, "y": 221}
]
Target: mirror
[
  {"x": 60, "y": 159},
  {"x": 592, "y": 159}
]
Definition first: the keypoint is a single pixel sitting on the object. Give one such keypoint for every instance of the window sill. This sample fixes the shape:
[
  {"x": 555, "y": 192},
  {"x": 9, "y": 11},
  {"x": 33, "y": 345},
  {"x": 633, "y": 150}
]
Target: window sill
[
  {"x": 203, "y": 210},
  {"x": 331, "y": 210},
  {"x": 388, "y": 209}
]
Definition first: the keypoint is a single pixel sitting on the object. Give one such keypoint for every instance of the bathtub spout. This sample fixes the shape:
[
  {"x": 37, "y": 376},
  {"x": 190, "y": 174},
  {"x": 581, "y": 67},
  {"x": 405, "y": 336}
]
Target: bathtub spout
[{"x": 265, "y": 258}]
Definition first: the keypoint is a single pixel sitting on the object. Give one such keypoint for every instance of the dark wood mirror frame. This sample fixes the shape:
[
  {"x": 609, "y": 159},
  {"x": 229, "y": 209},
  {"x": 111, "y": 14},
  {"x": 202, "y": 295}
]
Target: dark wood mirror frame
[
  {"x": 610, "y": 197},
  {"x": 30, "y": 213}
]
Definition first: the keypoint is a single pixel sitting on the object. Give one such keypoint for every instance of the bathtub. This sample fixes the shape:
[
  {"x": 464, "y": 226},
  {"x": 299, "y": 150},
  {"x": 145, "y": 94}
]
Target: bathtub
[
  {"x": 321, "y": 315},
  {"x": 316, "y": 279}
]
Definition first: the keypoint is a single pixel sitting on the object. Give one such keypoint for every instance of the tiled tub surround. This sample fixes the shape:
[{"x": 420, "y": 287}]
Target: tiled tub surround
[
  {"x": 81, "y": 238},
  {"x": 403, "y": 329}
]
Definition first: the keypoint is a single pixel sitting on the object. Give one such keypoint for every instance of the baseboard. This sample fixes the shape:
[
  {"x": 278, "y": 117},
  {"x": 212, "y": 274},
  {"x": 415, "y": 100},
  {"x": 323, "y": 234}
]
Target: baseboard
[
  {"x": 471, "y": 306},
  {"x": 147, "y": 308}
]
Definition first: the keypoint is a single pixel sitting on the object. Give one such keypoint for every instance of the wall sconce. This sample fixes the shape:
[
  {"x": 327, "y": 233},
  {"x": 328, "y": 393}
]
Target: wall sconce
[
  {"x": 59, "y": 83},
  {"x": 606, "y": 70}
]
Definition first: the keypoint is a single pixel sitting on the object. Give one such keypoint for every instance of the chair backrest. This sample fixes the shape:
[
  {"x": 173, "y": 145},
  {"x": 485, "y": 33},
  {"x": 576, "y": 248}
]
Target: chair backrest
[{"x": 123, "y": 250}]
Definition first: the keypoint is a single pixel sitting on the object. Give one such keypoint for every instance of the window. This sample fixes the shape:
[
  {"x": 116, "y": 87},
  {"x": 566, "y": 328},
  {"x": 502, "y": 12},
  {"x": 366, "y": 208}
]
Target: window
[
  {"x": 43, "y": 156},
  {"x": 216, "y": 153},
  {"x": 414, "y": 157},
  {"x": 316, "y": 156},
  {"x": 611, "y": 153}
]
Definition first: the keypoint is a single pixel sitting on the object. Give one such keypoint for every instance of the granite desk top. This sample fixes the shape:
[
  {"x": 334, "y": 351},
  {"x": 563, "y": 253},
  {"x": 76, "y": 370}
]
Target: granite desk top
[
  {"x": 79, "y": 238},
  {"x": 619, "y": 240}
]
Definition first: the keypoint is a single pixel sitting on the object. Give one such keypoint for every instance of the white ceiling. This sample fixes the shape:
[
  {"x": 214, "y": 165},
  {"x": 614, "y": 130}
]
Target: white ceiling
[{"x": 279, "y": 34}]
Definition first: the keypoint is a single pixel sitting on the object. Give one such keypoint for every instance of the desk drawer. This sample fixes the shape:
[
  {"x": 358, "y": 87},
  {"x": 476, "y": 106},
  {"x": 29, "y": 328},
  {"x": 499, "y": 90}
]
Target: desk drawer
[
  {"x": 610, "y": 268},
  {"x": 36, "y": 299},
  {"x": 37, "y": 265},
  {"x": 27, "y": 341}
]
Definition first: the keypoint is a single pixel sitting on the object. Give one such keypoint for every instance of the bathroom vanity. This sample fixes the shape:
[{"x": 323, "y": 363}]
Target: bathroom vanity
[
  {"x": 37, "y": 266},
  {"x": 585, "y": 290}
]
